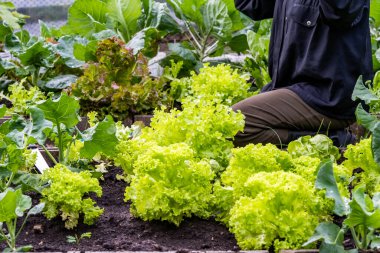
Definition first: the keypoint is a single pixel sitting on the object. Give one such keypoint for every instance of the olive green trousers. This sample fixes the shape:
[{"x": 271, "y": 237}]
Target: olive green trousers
[{"x": 272, "y": 116}]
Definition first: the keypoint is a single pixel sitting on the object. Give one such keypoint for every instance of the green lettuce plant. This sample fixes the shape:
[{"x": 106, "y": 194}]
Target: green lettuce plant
[
  {"x": 21, "y": 97},
  {"x": 169, "y": 184},
  {"x": 67, "y": 196},
  {"x": 219, "y": 84},
  {"x": 319, "y": 146},
  {"x": 253, "y": 159},
  {"x": 206, "y": 127},
  {"x": 360, "y": 156},
  {"x": 278, "y": 209},
  {"x": 13, "y": 205}
]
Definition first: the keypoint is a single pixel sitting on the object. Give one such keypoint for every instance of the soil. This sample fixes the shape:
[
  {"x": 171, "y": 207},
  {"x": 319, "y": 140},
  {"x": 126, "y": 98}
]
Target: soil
[{"x": 117, "y": 229}]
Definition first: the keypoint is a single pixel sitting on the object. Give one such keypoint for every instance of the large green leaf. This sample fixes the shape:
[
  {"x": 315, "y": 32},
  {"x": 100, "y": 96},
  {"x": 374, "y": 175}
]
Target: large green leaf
[
  {"x": 3, "y": 110},
  {"x": 63, "y": 110},
  {"x": 60, "y": 82},
  {"x": 145, "y": 40},
  {"x": 375, "y": 11},
  {"x": 45, "y": 31},
  {"x": 326, "y": 180},
  {"x": 334, "y": 248},
  {"x": 372, "y": 123},
  {"x": 216, "y": 19},
  {"x": 258, "y": 44},
  {"x": 86, "y": 17},
  {"x": 158, "y": 15},
  {"x": 15, "y": 158},
  {"x": 12, "y": 43},
  {"x": 65, "y": 48},
  {"x": 39, "y": 124},
  {"x": 235, "y": 15},
  {"x": 37, "y": 209},
  {"x": 125, "y": 13},
  {"x": 363, "y": 93},
  {"x": 36, "y": 55},
  {"x": 23, "y": 203},
  {"x": 366, "y": 119},
  {"x": 4, "y": 31},
  {"x": 86, "y": 52},
  {"x": 188, "y": 9},
  {"x": 239, "y": 43},
  {"x": 360, "y": 211},
  {"x": 328, "y": 232},
  {"x": 8, "y": 16},
  {"x": 8, "y": 204},
  {"x": 100, "y": 138},
  {"x": 13, "y": 204}
]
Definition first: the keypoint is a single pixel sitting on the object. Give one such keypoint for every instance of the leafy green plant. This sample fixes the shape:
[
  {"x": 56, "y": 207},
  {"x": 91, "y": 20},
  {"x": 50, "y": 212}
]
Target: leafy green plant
[
  {"x": 67, "y": 196},
  {"x": 253, "y": 159},
  {"x": 360, "y": 156},
  {"x": 257, "y": 62},
  {"x": 10, "y": 19},
  {"x": 118, "y": 83},
  {"x": 36, "y": 62},
  {"x": 319, "y": 146},
  {"x": 77, "y": 239},
  {"x": 21, "y": 98},
  {"x": 375, "y": 41},
  {"x": 369, "y": 119},
  {"x": 262, "y": 184},
  {"x": 210, "y": 26},
  {"x": 361, "y": 216},
  {"x": 169, "y": 183},
  {"x": 375, "y": 11},
  {"x": 13, "y": 205},
  {"x": 206, "y": 127},
  {"x": 56, "y": 119},
  {"x": 140, "y": 23},
  {"x": 219, "y": 84},
  {"x": 16, "y": 160},
  {"x": 260, "y": 216}
]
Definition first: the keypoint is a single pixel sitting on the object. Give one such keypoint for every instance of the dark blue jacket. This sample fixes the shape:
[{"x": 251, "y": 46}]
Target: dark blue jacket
[{"x": 318, "y": 49}]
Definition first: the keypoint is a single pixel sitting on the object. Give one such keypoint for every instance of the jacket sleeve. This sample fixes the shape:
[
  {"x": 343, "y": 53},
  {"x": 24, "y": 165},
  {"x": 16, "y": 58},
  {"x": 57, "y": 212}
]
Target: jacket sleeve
[
  {"x": 343, "y": 13},
  {"x": 256, "y": 9}
]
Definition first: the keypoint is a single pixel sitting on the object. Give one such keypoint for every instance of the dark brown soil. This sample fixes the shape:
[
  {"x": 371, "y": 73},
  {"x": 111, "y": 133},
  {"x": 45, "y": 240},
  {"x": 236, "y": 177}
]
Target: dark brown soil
[{"x": 118, "y": 230}]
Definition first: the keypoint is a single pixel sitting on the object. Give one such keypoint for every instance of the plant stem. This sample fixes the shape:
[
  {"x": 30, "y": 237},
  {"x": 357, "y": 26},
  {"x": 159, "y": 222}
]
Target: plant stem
[
  {"x": 35, "y": 77},
  {"x": 5, "y": 237},
  {"x": 193, "y": 36},
  {"x": 10, "y": 180},
  {"x": 364, "y": 242},
  {"x": 68, "y": 149},
  {"x": 22, "y": 226},
  {"x": 49, "y": 154},
  {"x": 204, "y": 46},
  {"x": 11, "y": 226},
  {"x": 60, "y": 144},
  {"x": 356, "y": 239}
]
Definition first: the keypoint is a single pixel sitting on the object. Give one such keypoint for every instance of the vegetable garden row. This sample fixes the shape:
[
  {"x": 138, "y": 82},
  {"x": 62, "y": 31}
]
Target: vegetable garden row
[{"x": 307, "y": 194}]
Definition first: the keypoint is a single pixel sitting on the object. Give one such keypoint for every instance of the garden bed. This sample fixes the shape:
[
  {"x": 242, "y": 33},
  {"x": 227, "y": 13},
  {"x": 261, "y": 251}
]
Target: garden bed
[{"x": 117, "y": 229}]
